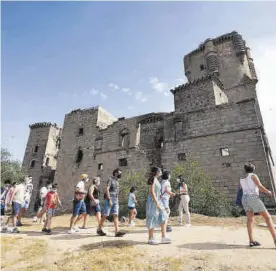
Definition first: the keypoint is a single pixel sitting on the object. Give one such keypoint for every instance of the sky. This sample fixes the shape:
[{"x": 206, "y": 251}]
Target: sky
[{"x": 123, "y": 56}]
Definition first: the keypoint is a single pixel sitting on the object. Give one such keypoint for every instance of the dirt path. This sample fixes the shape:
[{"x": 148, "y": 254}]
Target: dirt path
[{"x": 194, "y": 248}]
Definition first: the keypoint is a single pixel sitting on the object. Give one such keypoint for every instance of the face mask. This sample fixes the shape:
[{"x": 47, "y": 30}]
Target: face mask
[
  {"x": 54, "y": 190},
  {"x": 86, "y": 180},
  {"x": 49, "y": 187},
  {"x": 119, "y": 175}
]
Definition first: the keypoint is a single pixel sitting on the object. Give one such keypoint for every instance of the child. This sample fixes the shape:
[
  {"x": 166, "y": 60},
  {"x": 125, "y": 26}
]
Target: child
[
  {"x": 131, "y": 206},
  {"x": 166, "y": 193},
  {"x": 51, "y": 203}
]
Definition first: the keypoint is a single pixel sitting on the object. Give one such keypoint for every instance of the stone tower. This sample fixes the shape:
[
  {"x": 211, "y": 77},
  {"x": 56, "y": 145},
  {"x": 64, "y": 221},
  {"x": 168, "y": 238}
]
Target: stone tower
[{"x": 40, "y": 157}]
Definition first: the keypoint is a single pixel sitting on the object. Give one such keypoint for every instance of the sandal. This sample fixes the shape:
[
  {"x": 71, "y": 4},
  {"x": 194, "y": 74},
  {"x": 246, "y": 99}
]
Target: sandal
[{"x": 254, "y": 244}]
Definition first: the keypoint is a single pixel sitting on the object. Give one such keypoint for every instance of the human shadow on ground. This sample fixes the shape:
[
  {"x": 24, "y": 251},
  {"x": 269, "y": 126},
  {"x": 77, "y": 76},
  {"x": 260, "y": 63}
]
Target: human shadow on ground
[
  {"x": 109, "y": 244},
  {"x": 214, "y": 246},
  {"x": 37, "y": 233}
]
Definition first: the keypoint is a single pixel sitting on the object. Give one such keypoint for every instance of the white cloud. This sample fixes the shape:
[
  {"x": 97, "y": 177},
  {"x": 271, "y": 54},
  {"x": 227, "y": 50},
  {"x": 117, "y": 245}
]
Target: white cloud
[
  {"x": 158, "y": 86},
  {"x": 125, "y": 90},
  {"x": 103, "y": 96},
  {"x": 130, "y": 107},
  {"x": 93, "y": 91},
  {"x": 141, "y": 97},
  {"x": 113, "y": 86}
]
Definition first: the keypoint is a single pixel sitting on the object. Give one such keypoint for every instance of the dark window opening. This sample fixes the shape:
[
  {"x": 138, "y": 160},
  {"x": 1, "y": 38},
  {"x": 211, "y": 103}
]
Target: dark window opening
[
  {"x": 32, "y": 165},
  {"x": 123, "y": 162},
  {"x": 36, "y": 149},
  {"x": 182, "y": 156},
  {"x": 79, "y": 156},
  {"x": 226, "y": 164},
  {"x": 47, "y": 161},
  {"x": 224, "y": 152},
  {"x": 80, "y": 131},
  {"x": 125, "y": 141},
  {"x": 100, "y": 166},
  {"x": 202, "y": 67},
  {"x": 94, "y": 156}
]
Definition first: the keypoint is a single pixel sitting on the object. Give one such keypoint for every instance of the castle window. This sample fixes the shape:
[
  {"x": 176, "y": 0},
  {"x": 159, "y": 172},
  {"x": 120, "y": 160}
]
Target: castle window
[
  {"x": 80, "y": 131},
  {"x": 36, "y": 149},
  {"x": 32, "y": 164},
  {"x": 98, "y": 143},
  {"x": 100, "y": 166},
  {"x": 202, "y": 67},
  {"x": 47, "y": 162},
  {"x": 123, "y": 162},
  {"x": 181, "y": 156},
  {"x": 224, "y": 152},
  {"x": 79, "y": 156},
  {"x": 124, "y": 139}
]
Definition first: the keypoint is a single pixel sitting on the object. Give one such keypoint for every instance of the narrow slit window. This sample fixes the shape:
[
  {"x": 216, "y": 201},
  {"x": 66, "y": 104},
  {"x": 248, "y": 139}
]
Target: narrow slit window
[
  {"x": 47, "y": 162},
  {"x": 100, "y": 166},
  {"x": 79, "y": 156},
  {"x": 80, "y": 131},
  {"x": 32, "y": 164},
  {"x": 36, "y": 149}
]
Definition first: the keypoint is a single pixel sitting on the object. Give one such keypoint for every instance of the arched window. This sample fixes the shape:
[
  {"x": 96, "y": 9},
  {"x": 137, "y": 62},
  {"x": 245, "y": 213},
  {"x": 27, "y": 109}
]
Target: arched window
[{"x": 124, "y": 139}]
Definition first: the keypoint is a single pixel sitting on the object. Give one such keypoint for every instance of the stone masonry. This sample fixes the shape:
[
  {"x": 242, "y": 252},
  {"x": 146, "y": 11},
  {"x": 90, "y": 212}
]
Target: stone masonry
[{"x": 217, "y": 121}]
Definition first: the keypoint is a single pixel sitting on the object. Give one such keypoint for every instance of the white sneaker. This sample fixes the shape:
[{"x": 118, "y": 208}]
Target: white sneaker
[
  {"x": 132, "y": 223},
  {"x": 71, "y": 231},
  {"x": 35, "y": 219},
  {"x": 166, "y": 240},
  {"x": 153, "y": 242},
  {"x": 188, "y": 225},
  {"x": 76, "y": 229}
]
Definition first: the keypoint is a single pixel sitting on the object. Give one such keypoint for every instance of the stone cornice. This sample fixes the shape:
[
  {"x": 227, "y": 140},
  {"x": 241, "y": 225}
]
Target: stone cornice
[
  {"x": 197, "y": 81},
  {"x": 42, "y": 125}
]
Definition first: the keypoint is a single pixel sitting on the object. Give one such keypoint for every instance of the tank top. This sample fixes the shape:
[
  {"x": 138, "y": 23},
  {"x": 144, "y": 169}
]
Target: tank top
[
  {"x": 131, "y": 202},
  {"x": 248, "y": 185}
]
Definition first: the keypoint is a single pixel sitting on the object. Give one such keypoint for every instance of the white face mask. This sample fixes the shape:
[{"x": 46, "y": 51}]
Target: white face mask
[
  {"x": 86, "y": 180},
  {"x": 178, "y": 180},
  {"x": 54, "y": 190}
]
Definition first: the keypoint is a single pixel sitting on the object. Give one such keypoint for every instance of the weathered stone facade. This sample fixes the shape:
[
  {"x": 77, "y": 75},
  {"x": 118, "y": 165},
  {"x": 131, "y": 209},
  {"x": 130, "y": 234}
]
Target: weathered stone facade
[{"x": 217, "y": 121}]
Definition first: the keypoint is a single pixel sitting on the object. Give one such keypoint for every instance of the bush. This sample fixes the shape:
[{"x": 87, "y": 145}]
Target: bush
[{"x": 205, "y": 198}]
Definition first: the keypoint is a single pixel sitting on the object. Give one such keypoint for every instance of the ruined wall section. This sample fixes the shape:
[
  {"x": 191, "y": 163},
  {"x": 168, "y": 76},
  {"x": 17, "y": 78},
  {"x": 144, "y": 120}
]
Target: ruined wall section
[{"x": 221, "y": 139}]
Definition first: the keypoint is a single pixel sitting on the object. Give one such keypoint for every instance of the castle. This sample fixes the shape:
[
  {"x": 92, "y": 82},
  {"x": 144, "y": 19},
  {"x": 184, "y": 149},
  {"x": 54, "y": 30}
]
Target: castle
[{"x": 217, "y": 121}]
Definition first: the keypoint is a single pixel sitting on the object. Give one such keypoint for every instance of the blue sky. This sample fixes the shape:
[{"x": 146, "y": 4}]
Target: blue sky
[{"x": 59, "y": 56}]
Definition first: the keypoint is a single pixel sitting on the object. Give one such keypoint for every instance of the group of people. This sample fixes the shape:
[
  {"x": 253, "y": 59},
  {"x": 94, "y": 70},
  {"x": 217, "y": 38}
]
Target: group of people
[{"x": 87, "y": 202}]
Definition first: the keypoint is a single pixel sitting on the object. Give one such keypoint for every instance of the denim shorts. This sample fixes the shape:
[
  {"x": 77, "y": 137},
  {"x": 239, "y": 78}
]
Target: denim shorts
[
  {"x": 15, "y": 208},
  {"x": 25, "y": 204},
  {"x": 114, "y": 209},
  {"x": 79, "y": 207},
  {"x": 50, "y": 212}
]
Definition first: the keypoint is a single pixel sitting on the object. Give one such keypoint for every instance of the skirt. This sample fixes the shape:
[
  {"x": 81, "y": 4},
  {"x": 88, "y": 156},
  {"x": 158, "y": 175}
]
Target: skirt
[{"x": 253, "y": 203}]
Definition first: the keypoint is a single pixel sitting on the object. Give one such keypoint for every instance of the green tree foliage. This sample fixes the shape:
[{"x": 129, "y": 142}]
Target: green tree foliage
[
  {"x": 10, "y": 169},
  {"x": 205, "y": 198}
]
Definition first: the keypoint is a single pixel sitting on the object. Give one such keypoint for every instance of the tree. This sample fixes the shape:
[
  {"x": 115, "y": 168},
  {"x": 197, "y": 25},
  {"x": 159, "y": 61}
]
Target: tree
[{"x": 10, "y": 169}]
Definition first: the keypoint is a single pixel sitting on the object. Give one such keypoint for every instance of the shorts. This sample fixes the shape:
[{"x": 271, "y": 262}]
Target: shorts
[
  {"x": 79, "y": 207},
  {"x": 25, "y": 204},
  {"x": 131, "y": 208},
  {"x": 50, "y": 212},
  {"x": 114, "y": 209},
  {"x": 95, "y": 209},
  {"x": 15, "y": 208}
]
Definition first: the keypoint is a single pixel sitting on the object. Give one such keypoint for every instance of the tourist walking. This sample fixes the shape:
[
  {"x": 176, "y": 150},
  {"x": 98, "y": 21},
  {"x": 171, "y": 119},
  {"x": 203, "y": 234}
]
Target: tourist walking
[
  {"x": 52, "y": 202},
  {"x": 15, "y": 200},
  {"x": 155, "y": 211},
  {"x": 27, "y": 198},
  {"x": 41, "y": 200},
  {"x": 184, "y": 201},
  {"x": 132, "y": 206},
  {"x": 251, "y": 186},
  {"x": 4, "y": 192},
  {"x": 166, "y": 193},
  {"x": 79, "y": 207},
  {"x": 92, "y": 199},
  {"x": 111, "y": 204}
]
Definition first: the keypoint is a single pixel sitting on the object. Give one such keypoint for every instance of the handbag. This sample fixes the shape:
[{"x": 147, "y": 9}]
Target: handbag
[{"x": 239, "y": 197}]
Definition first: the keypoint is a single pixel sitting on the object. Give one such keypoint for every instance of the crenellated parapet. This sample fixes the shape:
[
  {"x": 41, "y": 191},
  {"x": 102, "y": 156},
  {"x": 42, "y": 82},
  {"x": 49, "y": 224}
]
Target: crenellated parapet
[
  {"x": 211, "y": 57},
  {"x": 92, "y": 109},
  {"x": 198, "y": 81},
  {"x": 42, "y": 125}
]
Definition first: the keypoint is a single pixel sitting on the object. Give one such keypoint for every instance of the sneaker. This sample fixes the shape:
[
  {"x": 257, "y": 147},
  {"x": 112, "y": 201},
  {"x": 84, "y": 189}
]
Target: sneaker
[
  {"x": 71, "y": 231},
  {"x": 188, "y": 225},
  {"x": 19, "y": 224},
  {"x": 49, "y": 232},
  {"x": 15, "y": 230},
  {"x": 5, "y": 229},
  {"x": 180, "y": 224},
  {"x": 83, "y": 228},
  {"x": 165, "y": 240},
  {"x": 168, "y": 229},
  {"x": 153, "y": 242},
  {"x": 132, "y": 223},
  {"x": 254, "y": 244},
  {"x": 35, "y": 219},
  {"x": 76, "y": 228},
  {"x": 120, "y": 234},
  {"x": 101, "y": 233},
  {"x": 44, "y": 230}
]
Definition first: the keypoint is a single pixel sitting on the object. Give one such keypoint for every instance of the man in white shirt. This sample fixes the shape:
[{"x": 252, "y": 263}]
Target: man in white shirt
[
  {"x": 27, "y": 198},
  {"x": 17, "y": 198},
  {"x": 79, "y": 207},
  {"x": 166, "y": 193}
]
